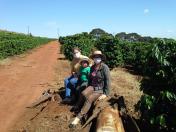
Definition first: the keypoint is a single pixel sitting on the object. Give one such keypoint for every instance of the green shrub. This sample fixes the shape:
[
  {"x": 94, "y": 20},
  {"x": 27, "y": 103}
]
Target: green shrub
[
  {"x": 163, "y": 83},
  {"x": 82, "y": 41},
  {"x": 14, "y": 43},
  {"x": 111, "y": 49}
]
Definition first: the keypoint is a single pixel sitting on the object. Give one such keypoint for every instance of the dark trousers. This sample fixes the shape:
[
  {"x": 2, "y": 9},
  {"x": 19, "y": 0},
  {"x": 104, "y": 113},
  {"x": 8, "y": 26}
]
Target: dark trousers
[{"x": 90, "y": 96}]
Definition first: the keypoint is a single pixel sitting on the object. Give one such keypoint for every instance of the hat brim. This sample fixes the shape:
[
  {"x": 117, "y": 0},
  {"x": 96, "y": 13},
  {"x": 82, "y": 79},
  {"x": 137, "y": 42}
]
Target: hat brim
[
  {"x": 85, "y": 61},
  {"x": 101, "y": 55}
]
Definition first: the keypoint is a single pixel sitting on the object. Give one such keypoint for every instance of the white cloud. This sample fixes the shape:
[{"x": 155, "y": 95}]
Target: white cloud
[
  {"x": 170, "y": 31},
  {"x": 51, "y": 24},
  {"x": 146, "y": 11}
]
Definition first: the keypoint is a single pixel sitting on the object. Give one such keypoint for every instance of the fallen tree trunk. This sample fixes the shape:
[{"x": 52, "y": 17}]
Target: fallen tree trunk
[
  {"x": 99, "y": 106},
  {"x": 107, "y": 114},
  {"x": 112, "y": 116},
  {"x": 42, "y": 99},
  {"x": 109, "y": 120},
  {"x": 49, "y": 94}
]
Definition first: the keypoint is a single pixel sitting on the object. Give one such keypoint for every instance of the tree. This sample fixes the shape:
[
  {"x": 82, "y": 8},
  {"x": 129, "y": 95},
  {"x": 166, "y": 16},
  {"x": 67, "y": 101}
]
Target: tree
[{"x": 97, "y": 32}]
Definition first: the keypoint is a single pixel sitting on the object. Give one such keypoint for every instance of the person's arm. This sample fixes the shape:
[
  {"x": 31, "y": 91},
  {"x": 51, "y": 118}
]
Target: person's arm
[
  {"x": 89, "y": 77},
  {"x": 72, "y": 68},
  {"x": 107, "y": 80},
  {"x": 88, "y": 71},
  {"x": 73, "y": 72}
]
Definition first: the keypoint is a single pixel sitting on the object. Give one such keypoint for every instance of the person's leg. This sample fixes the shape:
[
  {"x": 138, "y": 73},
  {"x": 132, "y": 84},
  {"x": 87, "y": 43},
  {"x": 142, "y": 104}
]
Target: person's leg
[
  {"x": 73, "y": 83},
  {"x": 89, "y": 90},
  {"x": 89, "y": 100},
  {"x": 86, "y": 92},
  {"x": 67, "y": 86},
  {"x": 78, "y": 89},
  {"x": 78, "y": 104},
  {"x": 67, "y": 99},
  {"x": 83, "y": 86},
  {"x": 83, "y": 94}
]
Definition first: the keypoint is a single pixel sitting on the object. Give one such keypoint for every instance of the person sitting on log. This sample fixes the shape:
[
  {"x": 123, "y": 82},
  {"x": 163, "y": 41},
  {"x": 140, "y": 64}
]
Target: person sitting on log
[
  {"x": 98, "y": 88},
  {"x": 71, "y": 81}
]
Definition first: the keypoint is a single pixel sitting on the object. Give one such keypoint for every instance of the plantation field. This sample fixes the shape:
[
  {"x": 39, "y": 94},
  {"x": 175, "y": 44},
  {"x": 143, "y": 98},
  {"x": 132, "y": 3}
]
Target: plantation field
[
  {"x": 12, "y": 43},
  {"x": 143, "y": 71}
]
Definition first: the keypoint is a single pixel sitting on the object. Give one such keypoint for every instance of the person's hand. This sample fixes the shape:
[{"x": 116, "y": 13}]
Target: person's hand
[
  {"x": 76, "y": 75},
  {"x": 73, "y": 73},
  {"x": 103, "y": 96}
]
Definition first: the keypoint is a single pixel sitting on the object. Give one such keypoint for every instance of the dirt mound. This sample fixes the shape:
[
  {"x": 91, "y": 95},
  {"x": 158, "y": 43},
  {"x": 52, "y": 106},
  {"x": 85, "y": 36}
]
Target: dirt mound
[{"x": 51, "y": 119}]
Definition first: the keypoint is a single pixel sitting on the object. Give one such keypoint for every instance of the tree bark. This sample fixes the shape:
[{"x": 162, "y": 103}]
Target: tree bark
[{"x": 109, "y": 120}]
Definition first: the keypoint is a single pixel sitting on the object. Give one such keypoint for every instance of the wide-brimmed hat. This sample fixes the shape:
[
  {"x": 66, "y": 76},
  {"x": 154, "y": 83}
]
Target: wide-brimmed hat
[
  {"x": 85, "y": 60},
  {"x": 98, "y": 52}
]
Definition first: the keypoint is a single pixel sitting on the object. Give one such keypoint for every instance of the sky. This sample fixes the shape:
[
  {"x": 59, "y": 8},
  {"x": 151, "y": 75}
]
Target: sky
[{"x": 156, "y": 18}]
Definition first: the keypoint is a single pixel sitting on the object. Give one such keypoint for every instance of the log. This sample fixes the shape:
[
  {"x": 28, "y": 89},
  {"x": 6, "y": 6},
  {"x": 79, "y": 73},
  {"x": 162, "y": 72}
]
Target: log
[
  {"x": 99, "y": 106},
  {"x": 109, "y": 120},
  {"x": 42, "y": 99}
]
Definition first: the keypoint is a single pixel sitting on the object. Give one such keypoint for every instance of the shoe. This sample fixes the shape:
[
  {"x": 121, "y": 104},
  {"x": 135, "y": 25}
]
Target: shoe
[
  {"x": 74, "y": 109},
  {"x": 74, "y": 123},
  {"x": 72, "y": 126},
  {"x": 67, "y": 100}
]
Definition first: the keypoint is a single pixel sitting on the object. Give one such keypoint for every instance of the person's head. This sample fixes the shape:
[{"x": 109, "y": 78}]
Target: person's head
[
  {"x": 84, "y": 62},
  {"x": 76, "y": 52},
  {"x": 98, "y": 57}
]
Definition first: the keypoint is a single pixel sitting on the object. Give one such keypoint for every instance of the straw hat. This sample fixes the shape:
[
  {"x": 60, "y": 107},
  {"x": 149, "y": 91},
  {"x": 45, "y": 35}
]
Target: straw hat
[
  {"x": 98, "y": 53},
  {"x": 85, "y": 60}
]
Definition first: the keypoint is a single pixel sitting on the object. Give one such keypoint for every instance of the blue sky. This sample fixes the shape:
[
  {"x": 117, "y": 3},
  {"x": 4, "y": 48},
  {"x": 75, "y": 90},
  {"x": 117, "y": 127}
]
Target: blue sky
[{"x": 155, "y": 18}]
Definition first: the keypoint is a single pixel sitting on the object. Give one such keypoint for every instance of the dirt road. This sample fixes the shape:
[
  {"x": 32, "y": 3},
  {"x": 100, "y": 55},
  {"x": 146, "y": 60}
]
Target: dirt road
[{"x": 23, "y": 78}]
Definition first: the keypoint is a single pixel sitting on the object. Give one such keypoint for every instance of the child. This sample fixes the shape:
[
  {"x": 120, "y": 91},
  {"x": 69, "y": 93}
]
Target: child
[
  {"x": 83, "y": 79},
  {"x": 83, "y": 76}
]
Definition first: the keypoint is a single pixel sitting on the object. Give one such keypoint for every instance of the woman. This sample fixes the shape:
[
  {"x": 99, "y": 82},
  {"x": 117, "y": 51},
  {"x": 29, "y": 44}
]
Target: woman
[
  {"x": 98, "y": 88},
  {"x": 71, "y": 81}
]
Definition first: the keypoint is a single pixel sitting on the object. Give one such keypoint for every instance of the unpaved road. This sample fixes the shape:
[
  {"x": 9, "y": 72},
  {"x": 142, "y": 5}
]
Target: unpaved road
[{"x": 23, "y": 78}]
